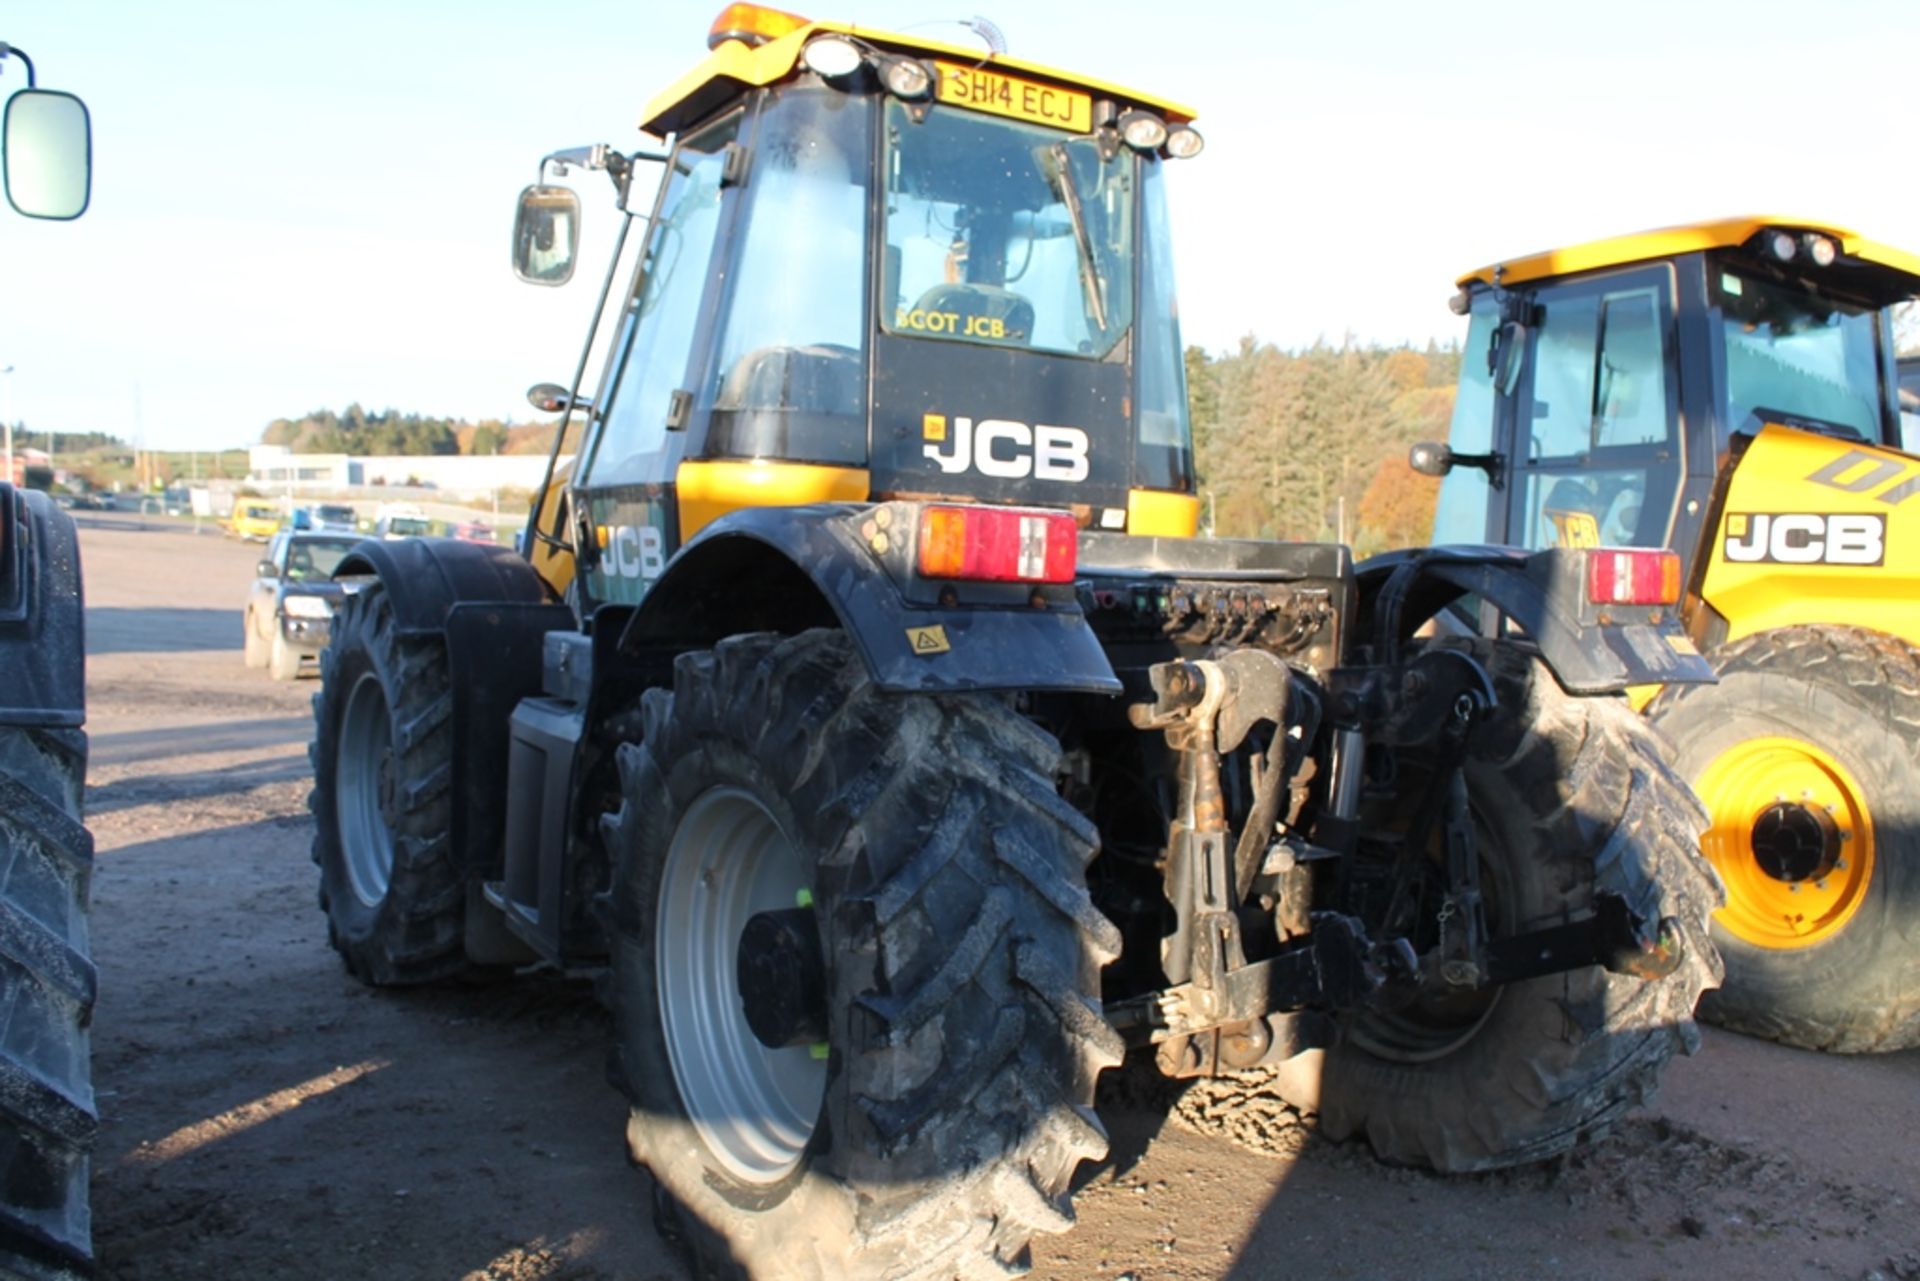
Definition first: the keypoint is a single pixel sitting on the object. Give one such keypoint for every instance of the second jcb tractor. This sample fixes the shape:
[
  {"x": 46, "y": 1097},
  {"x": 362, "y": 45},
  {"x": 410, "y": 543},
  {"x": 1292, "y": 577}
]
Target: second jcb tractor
[
  {"x": 861, "y": 706},
  {"x": 1730, "y": 391}
]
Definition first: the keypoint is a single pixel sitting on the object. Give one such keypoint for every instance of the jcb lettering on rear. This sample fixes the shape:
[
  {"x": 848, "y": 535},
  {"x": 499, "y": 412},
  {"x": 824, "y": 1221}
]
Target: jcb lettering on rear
[
  {"x": 1005, "y": 449},
  {"x": 1805, "y": 538}
]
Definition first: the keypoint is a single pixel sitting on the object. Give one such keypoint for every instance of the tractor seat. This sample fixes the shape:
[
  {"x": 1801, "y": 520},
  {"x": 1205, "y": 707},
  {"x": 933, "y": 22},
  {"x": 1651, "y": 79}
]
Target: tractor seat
[
  {"x": 816, "y": 379},
  {"x": 985, "y": 313}
]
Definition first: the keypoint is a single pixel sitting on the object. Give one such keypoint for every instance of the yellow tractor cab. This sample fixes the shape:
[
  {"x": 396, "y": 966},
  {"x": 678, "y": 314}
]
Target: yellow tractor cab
[
  {"x": 1729, "y": 391},
  {"x": 939, "y": 267}
]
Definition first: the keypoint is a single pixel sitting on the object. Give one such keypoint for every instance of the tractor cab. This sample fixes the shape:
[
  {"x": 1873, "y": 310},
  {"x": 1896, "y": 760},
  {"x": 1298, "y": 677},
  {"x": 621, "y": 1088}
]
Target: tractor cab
[
  {"x": 1603, "y": 386},
  {"x": 878, "y": 266}
]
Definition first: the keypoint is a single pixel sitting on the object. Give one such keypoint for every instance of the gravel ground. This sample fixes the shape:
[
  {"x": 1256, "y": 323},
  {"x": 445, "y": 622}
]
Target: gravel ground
[{"x": 264, "y": 1115}]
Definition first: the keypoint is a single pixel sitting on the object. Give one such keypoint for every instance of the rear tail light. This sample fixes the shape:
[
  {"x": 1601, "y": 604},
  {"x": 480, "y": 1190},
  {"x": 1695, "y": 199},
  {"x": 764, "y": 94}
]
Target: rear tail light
[
  {"x": 1631, "y": 576},
  {"x": 998, "y": 544}
]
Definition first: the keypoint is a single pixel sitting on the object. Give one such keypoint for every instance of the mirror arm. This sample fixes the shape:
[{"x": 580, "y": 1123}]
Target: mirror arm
[
  {"x": 1493, "y": 464},
  {"x": 15, "y": 51}
]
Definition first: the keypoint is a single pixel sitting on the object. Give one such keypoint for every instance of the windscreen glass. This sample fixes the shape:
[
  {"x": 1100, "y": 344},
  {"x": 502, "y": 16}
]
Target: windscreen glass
[
  {"x": 1006, "y": 234},
  {"x": 1796, "y": 356},
  {"x": 309, "y": 559}
]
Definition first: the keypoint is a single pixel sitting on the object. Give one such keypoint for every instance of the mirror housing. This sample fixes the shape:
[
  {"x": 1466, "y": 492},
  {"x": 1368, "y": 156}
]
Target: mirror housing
[
  {"x": 1430, "y": 458},
  {"x": 546, "y": 235},
  {"x": 267, "y": 569},
  {"x": 47, "y": 144},
  {"x": 551, "y": 398}
]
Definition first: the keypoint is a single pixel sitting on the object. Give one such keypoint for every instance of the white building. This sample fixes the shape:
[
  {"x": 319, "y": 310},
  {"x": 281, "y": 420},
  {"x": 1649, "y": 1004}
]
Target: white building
[{"x": 275, "y": 468}]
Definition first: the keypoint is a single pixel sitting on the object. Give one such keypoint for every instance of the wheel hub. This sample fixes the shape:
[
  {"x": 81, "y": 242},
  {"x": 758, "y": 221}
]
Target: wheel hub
[
  {"x": 1795, "y": 843},
  {"x": 782, "y": 978}
]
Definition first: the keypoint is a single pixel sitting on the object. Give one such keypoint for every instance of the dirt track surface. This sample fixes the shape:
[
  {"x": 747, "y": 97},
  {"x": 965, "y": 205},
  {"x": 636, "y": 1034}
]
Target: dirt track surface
[{"x": 265, "y": 1116}]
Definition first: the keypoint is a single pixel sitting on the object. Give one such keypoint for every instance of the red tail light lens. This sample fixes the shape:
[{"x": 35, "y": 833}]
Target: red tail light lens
[
  {"x": 998, "y": 544},
  {"x": 1631, "y": 576}
]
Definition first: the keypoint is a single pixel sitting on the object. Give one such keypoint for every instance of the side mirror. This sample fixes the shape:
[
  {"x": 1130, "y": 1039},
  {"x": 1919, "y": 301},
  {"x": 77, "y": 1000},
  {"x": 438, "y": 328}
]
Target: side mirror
[
  {"x": 546, "y": 235},
  {"x": 267, "y": 569},
  {"x": 48, "y": 149},
  {"x": 1430, "y": 458},
  {"x": 551, "y": 398}
]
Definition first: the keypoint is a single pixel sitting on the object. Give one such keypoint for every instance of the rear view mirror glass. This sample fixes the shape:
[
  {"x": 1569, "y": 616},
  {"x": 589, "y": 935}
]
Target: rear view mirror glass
[
  {"x": 48, "y": 148},
  {"x": 546, "y": 235}
]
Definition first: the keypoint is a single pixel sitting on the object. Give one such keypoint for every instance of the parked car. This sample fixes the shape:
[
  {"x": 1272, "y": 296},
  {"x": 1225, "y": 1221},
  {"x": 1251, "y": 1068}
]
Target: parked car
[
  {"x": 289, "y": 612},
  {"x": 254, "y": 520},
  {"x": 474, "y": 532},
  {"x": 401, "y": 522},
  {"x": 335, "y": 518}
]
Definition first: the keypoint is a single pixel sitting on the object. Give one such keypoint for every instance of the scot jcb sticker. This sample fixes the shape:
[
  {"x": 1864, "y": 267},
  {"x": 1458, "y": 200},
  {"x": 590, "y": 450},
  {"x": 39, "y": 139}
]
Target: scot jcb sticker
[{"x": 1805, "y": 538}]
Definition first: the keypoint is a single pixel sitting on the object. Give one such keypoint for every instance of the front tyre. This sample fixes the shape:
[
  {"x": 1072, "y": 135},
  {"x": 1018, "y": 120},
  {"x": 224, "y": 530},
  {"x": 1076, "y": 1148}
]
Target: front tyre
[
  {"x": 283, "y": 660},
  {"x": 920, "y": 947},
  {"x": 1567, "y": 797},
  {"x": 255, "y": 652},
  {"x": 382, "y": 770},
  {"x": 1807, "y": 756}
]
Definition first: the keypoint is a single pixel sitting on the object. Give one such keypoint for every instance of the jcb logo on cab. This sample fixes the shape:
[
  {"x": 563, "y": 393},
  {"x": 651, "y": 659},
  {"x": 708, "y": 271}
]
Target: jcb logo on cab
[
  {"x": 1806, "y": 538},
  {"x": 1006, "y": 449},
  {"x": 633, "y": 551}
]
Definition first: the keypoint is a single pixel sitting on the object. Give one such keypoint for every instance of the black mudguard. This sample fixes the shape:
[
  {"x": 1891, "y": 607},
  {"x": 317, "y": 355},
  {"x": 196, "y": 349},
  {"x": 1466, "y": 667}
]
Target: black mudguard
[
  {"x": 492, "y": 610},
  {"x": 1591, "y": 649},
  {"x": 788, "y": 568},
  {"x": 42, "y": 643}
]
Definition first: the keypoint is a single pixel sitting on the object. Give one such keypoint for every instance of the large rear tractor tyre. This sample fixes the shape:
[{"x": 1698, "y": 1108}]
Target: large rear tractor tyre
[
  {"x": 382, "y": 769},
  {"x": 920, "y": 944},
  {"x": 1807, "y": 757},
  {"x": 1568, "y": 797},
  {"x": 255, "y": 653},
  {"x": 47, "y": 983}
]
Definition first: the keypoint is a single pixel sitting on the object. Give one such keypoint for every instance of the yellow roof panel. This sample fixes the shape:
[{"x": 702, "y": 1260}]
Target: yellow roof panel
[
  {"x": 734, "y": 68},
  {"x": 1668, "y": 242}
]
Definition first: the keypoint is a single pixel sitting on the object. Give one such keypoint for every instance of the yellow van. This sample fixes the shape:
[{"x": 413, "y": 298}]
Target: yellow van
[{"x": 255, "y": 521}]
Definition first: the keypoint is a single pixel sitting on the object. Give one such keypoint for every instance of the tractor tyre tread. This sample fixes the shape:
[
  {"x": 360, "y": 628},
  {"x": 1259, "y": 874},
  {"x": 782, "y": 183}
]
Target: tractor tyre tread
[
  {"x": 415, "y": 935},
  {"x": 48, "y": 1114},
  {"x": 951, "y": 885},
  {"x": 1559, "y": 1058}
]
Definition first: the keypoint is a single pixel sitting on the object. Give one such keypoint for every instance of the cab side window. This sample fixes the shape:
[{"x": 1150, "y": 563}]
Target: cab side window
[
  {"x": 1597, "y": 419},
  {"x": 659, "y": 330}
]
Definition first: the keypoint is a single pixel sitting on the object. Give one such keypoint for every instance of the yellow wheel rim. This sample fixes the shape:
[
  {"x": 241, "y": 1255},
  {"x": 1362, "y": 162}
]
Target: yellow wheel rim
[{"x": 1749, "y": 787}]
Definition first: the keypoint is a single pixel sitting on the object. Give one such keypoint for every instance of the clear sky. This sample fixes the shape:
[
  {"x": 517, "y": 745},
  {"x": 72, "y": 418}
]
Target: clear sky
[{"x": 301, "y": 206}]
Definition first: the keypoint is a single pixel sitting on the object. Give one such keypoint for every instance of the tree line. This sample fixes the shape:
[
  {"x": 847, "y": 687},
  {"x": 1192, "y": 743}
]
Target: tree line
[
  {"x": 1312, "y": 445},
  {"x": 356, "y": 430}
]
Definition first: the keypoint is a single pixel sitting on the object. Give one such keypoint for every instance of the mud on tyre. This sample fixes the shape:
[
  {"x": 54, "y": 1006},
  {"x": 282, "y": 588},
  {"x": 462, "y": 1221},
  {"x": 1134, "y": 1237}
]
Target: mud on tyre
[
  {"x": 1807, "y": 755},
  {"x": 47, "y": 985},
  {"x": 1568, "y": 797},
  {"x": 931, "y": 1107},
  {"x": 382, "y": 771}
]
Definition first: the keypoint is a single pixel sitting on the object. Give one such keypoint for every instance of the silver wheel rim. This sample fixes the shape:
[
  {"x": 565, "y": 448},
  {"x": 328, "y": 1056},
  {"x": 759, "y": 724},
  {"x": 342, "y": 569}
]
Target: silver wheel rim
[
  {"x": 363, "y": 769},
  {"x": 755, "y": 1107}
]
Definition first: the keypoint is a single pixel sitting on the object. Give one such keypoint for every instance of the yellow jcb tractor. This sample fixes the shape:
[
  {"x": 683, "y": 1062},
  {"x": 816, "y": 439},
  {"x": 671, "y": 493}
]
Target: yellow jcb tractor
[
  {"x": 1730, "y": 391},
  {"x": 861, "y": 706}
]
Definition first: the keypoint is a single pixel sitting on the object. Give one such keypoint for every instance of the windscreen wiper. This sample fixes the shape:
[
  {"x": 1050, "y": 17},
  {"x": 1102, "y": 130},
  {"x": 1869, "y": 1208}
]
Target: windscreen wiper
[{"x": 1090, "y": 281}]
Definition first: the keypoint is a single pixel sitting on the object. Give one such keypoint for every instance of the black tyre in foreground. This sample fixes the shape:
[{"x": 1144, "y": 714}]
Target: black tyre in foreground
[
  {"x": 382, "y": 767},
  {"x": 47, "y": 983},
  {"x": 1568, "y": 797},
  {"x": 919, "y": 945},
  {"x": 1807, "y": 756}
]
